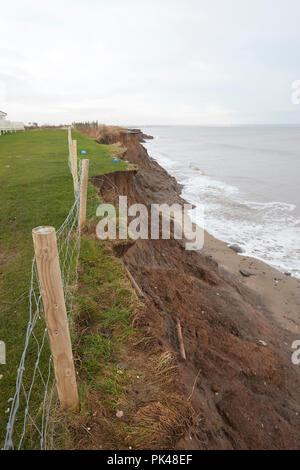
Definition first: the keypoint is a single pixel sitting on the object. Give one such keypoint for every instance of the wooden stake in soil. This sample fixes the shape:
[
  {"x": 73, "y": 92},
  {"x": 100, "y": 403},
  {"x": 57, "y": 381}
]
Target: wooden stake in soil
[
  {"x": 83, "y": 192},
  {"x": 47, "y": 260},
  {"x": 180, "y": 339},
  {"x": 135, "y": 284}
]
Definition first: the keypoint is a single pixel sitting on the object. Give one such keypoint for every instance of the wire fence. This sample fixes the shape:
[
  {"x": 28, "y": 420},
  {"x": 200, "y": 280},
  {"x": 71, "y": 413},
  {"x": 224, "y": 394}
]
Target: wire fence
[{"x": 32, "y": 408}]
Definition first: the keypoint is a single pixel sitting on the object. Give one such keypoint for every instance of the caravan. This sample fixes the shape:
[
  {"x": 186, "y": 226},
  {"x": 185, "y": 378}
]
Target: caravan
[{"x": 9, "y": 126}]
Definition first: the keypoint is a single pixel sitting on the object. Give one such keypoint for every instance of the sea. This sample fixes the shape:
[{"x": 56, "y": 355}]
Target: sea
[{"x": 246, "y": 178}]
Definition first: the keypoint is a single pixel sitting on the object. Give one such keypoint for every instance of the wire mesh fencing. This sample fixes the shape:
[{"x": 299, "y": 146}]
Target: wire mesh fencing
[{"x": 30, "y": 424}]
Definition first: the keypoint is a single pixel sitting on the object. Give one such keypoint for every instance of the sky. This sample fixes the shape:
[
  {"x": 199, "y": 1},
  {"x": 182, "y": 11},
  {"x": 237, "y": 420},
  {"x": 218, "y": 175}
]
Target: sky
[{"x": 142, "y": 62}]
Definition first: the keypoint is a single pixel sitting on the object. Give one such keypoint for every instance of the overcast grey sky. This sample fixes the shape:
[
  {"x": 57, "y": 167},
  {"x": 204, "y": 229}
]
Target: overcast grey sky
[{"x": 150, "y": 61}]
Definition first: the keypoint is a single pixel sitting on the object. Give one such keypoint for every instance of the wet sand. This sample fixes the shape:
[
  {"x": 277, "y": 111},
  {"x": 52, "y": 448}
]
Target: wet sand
[{"x": 279, "y": 294}]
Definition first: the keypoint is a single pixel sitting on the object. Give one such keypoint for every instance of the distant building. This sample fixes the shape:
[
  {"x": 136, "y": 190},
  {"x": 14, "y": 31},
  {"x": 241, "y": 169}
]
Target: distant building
[{"x": 9, "y": 126}]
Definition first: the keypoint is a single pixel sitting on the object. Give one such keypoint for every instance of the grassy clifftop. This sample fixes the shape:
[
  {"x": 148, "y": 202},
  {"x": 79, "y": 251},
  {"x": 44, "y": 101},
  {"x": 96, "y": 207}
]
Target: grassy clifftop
[
  {"x": 126, "y": 381},
  {"x": 36, "y": 189}
]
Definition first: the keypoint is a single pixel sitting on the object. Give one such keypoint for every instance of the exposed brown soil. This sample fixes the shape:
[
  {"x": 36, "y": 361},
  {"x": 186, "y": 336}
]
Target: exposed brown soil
[{"x": 238, "y": 375}]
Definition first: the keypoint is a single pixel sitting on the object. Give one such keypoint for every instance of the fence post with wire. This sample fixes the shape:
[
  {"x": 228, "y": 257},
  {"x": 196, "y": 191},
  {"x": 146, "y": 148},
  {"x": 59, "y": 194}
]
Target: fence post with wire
[
  {"x": 83, "y": 192},
  {"x": 73, "y": 159},
  {"x": 47, "y": 260}
]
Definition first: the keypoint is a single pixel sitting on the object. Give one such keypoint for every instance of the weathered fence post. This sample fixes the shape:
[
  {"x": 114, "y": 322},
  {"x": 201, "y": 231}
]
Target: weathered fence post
[
  {"x": 83, "y": 192},
  {"x": 47, "y": 260},
  {"x": 69, "y": 137},
  {"x": 74, "y": 164},
  {"x": 70, "y": 142}
]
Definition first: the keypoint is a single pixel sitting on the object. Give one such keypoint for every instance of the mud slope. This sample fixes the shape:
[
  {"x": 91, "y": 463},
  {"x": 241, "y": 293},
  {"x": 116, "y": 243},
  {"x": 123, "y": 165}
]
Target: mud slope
[{"x": 238, "y": 374}]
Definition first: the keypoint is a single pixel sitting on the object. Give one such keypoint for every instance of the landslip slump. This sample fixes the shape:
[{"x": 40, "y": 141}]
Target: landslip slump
[{"x": 245, "y": 394}]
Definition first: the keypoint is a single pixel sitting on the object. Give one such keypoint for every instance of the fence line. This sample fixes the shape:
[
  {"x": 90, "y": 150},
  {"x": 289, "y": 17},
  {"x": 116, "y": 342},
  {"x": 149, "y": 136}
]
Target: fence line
[{"x": 32, "y": 406}]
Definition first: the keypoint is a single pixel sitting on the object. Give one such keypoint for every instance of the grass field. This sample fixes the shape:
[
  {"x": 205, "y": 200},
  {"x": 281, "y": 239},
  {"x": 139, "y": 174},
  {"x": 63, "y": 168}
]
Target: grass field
[{"x": 36, "y": 189}]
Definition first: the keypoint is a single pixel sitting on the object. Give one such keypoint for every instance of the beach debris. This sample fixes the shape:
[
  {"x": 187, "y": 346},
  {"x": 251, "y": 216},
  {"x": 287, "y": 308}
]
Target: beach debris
[
  {"x": 236, "y": 248},
  {"x": 263, "y": 343},
  {"x": 116, "y": 160},
  {"x": 119, "y": 414},
  {"x": 245, "y": 273},
  {"x": 1, "y": 376},
  {"x": 288, "y": 274},
  {"x": 83, "y": 152}
]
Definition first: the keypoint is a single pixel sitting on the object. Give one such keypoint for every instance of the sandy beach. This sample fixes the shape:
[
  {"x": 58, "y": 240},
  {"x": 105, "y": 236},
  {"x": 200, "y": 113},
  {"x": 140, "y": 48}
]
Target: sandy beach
[{"x": 278, "y": 294}]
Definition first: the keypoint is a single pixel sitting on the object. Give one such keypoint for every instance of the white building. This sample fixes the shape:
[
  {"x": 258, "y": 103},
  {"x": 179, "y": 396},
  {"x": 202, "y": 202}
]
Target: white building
[
  {"x": 2, "y": 115},
  {"x": 9, "y": 126}
]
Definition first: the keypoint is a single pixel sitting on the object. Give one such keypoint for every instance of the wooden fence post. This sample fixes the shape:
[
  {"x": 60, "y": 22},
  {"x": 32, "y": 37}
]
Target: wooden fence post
[
  {"x": 69, "y": 137},
  {"x": 70, "y": 143},
  {"x": 83, "y": 192},
  {"x": 74, "y": 164},
  {"x": 47, "y": 260}
]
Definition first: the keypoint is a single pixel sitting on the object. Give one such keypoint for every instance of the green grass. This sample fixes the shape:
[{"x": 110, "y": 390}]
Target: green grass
[
  {"x": 101, "y": 326},
  {"x": 104, "y": 304},
  {"x": 36, "y": 189}
]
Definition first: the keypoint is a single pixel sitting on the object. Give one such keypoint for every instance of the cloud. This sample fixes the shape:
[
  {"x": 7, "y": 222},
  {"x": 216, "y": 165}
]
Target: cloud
[{"x": 149, "y": 62}]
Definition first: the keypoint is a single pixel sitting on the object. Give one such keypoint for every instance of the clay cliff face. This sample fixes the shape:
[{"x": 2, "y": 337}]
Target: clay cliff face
[{"x": 245, "y": 392}]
